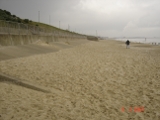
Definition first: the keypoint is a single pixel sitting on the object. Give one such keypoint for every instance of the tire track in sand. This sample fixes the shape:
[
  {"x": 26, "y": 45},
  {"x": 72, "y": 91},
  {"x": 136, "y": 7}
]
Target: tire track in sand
[{"x": 5, "y": 78}]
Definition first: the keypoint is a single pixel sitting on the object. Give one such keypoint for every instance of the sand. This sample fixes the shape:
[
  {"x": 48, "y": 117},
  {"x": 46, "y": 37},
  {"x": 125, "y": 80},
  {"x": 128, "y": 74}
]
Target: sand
[
  {"x": 38, "y": 47},
  {"x": 92, "y": 81}
]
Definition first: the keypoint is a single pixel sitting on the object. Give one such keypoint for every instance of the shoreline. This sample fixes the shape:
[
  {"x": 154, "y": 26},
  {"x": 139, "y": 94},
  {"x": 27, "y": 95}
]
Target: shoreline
[{"x": 144, "y": 41}]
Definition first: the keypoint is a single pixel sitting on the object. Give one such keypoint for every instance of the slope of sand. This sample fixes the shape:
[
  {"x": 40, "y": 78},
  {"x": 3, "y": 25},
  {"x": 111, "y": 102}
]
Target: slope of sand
[
  {"x": 92, "y": 81},
  {"x": 39, "y": 47}
]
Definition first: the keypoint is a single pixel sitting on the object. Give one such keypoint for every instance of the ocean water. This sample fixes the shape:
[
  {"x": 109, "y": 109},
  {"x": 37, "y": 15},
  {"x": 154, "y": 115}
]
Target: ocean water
[{"x": 142, "y": 40}]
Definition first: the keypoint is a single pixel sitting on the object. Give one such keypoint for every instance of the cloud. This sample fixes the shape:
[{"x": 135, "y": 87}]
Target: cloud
[{"x": 108, "y": 17}]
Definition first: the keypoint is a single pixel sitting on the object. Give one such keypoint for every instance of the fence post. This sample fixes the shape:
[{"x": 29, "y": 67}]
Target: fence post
[
  {"x": 19, "y": 27},
  {"x": 28, "y": 32},
  {"x": 8, "y": 28},
  {"x": 38, "y": 31}
]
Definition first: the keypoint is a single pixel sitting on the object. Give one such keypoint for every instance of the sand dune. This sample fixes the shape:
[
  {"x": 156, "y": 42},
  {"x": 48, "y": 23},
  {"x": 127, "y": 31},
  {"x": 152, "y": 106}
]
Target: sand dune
[{"x": 92, "y": 81}]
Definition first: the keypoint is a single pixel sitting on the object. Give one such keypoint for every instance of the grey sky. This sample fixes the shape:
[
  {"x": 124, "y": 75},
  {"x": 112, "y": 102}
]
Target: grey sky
[{"x": 112, "y": 18}]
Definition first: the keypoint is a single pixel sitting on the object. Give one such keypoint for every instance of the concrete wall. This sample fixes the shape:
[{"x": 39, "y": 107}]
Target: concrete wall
[
  {"x": 92, "y": 38},
  {"x": 13, "y": 40}
]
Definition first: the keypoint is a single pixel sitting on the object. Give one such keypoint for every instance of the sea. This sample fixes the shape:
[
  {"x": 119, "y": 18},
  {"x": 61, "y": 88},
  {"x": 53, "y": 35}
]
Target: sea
[{"x": 155, "y": 41}]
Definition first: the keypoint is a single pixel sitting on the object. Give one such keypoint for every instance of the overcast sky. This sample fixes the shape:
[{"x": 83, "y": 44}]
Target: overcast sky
[{"x": 112, "y": 18}]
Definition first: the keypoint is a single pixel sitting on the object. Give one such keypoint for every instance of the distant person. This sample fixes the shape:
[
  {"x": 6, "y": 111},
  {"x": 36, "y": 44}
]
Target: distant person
[{"x": 127, "y": 44}]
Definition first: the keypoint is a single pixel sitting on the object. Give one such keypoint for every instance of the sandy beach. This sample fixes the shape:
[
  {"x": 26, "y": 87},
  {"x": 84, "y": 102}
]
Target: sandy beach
[{"x": 93, "y": 81}]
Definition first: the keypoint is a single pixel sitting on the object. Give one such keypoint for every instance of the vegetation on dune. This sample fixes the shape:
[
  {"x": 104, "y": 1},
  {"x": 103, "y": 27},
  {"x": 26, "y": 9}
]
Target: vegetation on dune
[{"x": 7, "y": 16}]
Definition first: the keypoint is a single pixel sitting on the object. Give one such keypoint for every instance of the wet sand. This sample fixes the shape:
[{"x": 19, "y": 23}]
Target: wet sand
[{"x": 91, "y": 81}]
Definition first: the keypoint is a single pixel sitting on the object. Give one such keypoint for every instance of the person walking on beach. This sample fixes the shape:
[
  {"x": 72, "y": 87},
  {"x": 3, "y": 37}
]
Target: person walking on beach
[{"x": 127, "y": 44}]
